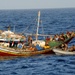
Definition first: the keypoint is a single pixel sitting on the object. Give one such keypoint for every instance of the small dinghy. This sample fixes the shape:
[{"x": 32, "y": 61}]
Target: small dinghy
[{"x": 63, "y": 52}]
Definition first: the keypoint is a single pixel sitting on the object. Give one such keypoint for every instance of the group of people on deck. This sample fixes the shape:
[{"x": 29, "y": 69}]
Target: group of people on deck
[
  {"x": 15, "y": 43},
  {"x": 66, "y": 48},
  {"x": 22, "y": 44},
  {"x": 62, "y": 37}
]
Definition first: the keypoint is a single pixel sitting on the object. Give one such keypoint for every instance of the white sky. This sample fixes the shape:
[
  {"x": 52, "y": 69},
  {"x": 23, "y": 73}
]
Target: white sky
[{"x": 36, "y": 4}]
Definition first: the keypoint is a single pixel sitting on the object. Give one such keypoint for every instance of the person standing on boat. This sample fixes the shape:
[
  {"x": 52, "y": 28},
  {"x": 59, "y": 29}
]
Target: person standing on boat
[
  {"x": 29, "y": 40},
  {"x": 15, "y": 44},
  {"x": 10, "y": 42},
  {"x": 47, "y": 40}
]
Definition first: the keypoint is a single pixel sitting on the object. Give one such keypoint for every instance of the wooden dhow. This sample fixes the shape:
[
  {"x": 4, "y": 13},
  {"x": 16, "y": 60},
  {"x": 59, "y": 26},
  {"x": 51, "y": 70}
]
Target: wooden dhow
[{"x": 23, "y": 52}]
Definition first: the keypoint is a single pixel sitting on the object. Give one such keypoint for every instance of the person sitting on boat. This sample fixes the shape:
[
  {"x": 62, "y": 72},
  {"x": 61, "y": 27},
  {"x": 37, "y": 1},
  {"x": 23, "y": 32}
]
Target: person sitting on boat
[
  {"x": 72, "y": 48},
  {"x": 51, "y": 39},
  {"x": 54, "y": 37},
  {"x": 57, "y": 37},
  {"x": 64, "y": 46},
  {"x": 47, "y": 38},
  {"x": 29, "y": 40},
  {"x": 68, "y": 34},
  {"x": 61, "y": 37},
  {"x": 72, "y": 34}
]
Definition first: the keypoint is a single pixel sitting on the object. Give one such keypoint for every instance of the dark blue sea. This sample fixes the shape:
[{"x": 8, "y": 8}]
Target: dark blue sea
[{"x": 54, "y": 21}]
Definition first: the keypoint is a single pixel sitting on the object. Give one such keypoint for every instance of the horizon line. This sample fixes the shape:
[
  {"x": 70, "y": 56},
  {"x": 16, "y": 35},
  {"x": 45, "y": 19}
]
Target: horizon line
[{"x": 37, "y": 8}]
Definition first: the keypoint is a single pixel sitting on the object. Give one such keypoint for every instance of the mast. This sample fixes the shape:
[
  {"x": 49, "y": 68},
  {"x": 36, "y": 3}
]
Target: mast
[{"x": 38, "y": 25}]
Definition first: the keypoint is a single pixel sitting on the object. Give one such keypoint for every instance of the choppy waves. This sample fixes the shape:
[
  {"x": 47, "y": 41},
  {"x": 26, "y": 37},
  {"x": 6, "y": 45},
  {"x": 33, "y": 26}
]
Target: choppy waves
[{"x": 54, "y": 21}]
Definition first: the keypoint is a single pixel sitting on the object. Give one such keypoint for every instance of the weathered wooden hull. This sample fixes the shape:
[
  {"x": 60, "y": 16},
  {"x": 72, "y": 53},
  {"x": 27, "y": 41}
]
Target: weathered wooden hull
[
  {"x": 63, "y": 52},
  {"x": 5, "y": 52}
]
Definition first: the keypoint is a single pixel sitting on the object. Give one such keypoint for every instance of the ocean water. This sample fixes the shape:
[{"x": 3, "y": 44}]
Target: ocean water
[{"x": 54, "y": 21}]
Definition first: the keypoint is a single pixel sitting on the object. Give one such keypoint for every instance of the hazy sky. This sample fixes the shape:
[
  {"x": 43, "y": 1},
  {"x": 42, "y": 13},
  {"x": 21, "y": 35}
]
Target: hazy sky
[{"x": 34, "y": 4}]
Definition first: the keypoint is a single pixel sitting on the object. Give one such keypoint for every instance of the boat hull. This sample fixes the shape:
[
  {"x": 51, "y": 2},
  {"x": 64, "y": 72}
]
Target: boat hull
[
  {"x": 63, "y": 52},
  {"x": 5, "y": 52}
]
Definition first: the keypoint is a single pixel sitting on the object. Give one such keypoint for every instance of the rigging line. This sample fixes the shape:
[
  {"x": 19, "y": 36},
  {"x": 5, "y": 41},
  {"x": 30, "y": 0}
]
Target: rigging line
[
  {"x": 42, "y": 28},
  {"x": 25, "y": 29},
  {"x": 34, "y": 26}
]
